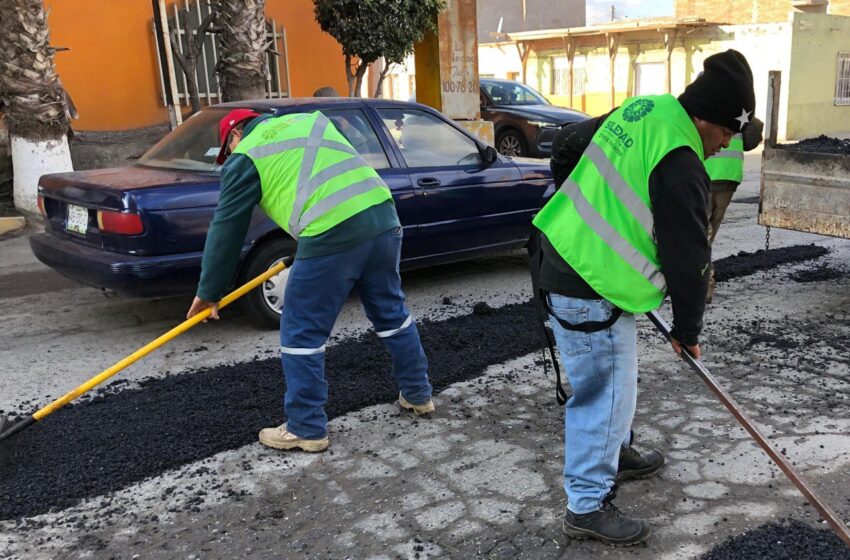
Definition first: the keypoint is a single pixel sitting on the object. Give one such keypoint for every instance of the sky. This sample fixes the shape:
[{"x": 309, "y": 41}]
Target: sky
[{"x": 599, "y": 11}]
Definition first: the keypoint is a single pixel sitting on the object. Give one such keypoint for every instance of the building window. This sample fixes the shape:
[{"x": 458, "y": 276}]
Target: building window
[
  {"x": 842, "y": 79},
  {"x": 560, "y": 76},
  {"x": 579, "y": 81}
]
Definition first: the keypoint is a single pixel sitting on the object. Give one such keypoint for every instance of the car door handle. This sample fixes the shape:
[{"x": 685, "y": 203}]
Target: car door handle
[{"x": 428, "y": 182}]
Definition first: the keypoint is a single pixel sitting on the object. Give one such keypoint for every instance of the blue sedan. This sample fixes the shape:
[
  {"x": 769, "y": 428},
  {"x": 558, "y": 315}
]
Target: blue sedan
[{"x": 140, "y": 230}]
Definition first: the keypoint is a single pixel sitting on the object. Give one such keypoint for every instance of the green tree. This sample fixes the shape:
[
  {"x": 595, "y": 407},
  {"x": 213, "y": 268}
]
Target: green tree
[{"x": 371, "y": 29}]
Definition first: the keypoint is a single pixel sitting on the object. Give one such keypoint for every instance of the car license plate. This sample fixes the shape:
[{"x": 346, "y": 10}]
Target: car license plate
[{"x": 78, "y": 219}]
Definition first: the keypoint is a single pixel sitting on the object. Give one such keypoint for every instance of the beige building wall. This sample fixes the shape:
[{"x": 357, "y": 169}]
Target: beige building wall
[
  {"x": 499, "y": 60},
  {"x": 766, "y": 46},
  {"x": 816, "y": 41},
  {"x": 756, "y": 11}
]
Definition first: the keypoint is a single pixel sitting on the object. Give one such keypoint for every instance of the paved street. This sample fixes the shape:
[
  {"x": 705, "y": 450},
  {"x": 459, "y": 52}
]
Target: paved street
[{"x": 481, "y": 478}]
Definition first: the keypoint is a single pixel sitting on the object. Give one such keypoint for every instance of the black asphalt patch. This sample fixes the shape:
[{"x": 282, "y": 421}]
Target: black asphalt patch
[
  {"x": 114, "y": 440},
  {"x": 790, "y": 540},
  {"x": 744, "y": 263}
]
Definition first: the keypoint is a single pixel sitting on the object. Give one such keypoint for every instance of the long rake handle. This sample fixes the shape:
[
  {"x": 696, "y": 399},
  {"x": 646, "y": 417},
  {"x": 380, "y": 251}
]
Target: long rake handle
[
  {"x": 808, "y": 492},
  {"x": 141, "y": 352}
]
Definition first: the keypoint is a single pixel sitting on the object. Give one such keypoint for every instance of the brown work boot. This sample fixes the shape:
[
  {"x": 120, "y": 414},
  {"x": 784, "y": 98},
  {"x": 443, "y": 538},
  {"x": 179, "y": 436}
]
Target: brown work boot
[
  {"x": 281, "y": 438},
  {"x": 418, "y": 409}
]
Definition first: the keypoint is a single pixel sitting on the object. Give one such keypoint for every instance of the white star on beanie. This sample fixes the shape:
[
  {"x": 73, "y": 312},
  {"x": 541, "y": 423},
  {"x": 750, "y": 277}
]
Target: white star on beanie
[{"x": 744, "y": 118}]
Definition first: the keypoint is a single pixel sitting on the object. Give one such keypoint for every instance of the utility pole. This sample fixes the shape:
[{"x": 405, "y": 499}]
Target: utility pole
[{"x": 612, "y": 12}]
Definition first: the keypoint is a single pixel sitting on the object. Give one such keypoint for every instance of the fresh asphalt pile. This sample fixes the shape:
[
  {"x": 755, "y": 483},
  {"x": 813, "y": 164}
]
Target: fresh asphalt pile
[
  {"x": 821, "y": 144},
  {"x": 788, "y": 540}
]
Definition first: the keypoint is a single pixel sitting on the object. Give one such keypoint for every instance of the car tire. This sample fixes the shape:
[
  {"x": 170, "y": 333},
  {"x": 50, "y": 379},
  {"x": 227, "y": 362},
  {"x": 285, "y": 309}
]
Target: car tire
[
  {"x": 511, "y": 143},
  {"x": 263, "y": 304}
]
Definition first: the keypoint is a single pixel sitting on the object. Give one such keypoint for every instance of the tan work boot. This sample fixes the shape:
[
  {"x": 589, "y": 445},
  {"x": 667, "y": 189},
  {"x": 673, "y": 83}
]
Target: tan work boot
[
  {"x": 418, "y": 409},
  {"x": 281, "y": 438}
]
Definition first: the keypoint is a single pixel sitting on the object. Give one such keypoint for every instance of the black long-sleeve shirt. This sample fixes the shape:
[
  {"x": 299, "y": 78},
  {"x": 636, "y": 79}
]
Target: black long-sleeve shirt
[{"x": 678, "y": 192}]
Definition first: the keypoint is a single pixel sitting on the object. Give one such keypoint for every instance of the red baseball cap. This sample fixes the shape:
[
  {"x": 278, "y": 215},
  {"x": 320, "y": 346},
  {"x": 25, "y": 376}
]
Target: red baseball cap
[{"x": 228, "y": 123}]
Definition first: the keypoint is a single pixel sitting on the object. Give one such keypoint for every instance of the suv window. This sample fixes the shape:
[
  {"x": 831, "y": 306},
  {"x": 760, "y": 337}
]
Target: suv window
[
  {"x": 427, "y": 141},
  {"x": 354, "y": 125}
]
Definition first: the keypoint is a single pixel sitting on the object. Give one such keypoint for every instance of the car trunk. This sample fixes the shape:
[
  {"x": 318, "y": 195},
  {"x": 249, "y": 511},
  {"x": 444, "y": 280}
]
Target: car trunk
[{"x": 71, "y": 198}]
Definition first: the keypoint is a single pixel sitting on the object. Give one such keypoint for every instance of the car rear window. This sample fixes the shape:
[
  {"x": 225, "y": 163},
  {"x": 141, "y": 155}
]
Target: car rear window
[{"x": 192, "y": 146}]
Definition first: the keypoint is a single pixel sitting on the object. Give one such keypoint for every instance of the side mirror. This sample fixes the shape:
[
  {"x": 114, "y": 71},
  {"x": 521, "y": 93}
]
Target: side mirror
[{"x": 489, "y": 156}]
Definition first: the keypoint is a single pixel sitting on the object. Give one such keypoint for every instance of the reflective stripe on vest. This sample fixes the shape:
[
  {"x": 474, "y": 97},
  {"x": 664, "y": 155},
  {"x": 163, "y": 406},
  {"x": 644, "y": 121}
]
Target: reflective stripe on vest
[
  {"x": 600, "y": 219},
  {"x": 312, "y": 178},
  {"x": 728, "y": 163}
]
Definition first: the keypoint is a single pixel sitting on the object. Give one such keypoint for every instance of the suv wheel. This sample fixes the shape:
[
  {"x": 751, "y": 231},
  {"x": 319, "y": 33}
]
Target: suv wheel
[
  {"x": 511, "y": 144},
  {"x": 265, "y": 303}
]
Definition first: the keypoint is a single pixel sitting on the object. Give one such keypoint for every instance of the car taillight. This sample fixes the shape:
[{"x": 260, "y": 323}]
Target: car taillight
[
  {"x": 41, "y": 206},
  {"x": 122, "y": 223}
]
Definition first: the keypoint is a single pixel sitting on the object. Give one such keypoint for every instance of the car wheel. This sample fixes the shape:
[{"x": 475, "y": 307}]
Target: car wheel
[
  {"x": 265, "y": 303},
  {"x": 511, "y": 144}
]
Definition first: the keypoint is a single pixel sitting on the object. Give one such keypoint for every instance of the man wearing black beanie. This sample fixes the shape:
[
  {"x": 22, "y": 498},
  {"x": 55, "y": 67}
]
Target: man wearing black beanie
[{"x": 628, "y": 226}]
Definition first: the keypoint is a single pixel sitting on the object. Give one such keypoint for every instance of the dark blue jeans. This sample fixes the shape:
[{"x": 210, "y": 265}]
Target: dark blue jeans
[{"x": 315, "y": 292}]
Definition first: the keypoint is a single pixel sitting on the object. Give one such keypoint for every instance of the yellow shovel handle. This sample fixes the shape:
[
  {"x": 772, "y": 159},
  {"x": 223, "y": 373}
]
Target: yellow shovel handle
[{"x": 153, "y": 345}]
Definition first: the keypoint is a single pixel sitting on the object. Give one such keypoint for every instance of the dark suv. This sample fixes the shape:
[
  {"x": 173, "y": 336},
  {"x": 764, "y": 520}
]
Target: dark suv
[{"x": 525, "y": 122}]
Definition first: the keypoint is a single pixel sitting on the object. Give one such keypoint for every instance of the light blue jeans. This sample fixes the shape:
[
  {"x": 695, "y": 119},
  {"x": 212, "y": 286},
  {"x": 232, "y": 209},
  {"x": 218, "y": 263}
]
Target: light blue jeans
[{"x": 602, "y": 370}]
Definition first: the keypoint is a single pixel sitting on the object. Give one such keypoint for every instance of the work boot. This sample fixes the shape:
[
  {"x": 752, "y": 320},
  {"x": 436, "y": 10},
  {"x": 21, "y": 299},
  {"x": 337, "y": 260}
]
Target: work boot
[
  {"x": 418, "y": 409},
  {"x": 636, "y": 465},
  {"x": 607, "y": 524},
  {"x": 282, "y": 438}
]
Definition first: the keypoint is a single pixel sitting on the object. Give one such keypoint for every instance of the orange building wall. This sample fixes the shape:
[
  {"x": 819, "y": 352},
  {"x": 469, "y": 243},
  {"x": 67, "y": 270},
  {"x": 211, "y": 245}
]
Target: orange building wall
[
  {"x": 315, "y": 58},
  {"x": 111, "y": 71}
]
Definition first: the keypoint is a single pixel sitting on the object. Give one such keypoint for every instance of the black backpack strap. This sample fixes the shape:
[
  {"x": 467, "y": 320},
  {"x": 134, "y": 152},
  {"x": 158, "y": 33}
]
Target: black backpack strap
[{"x": 535, "y": 254}]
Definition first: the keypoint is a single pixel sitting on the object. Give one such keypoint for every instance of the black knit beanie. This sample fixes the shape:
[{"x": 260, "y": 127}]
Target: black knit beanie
[{"x": 723, "y": 93}]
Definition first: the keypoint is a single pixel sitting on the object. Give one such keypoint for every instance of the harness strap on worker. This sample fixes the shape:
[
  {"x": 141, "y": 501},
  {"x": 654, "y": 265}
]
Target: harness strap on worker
[{"x": 544, "y": 312}]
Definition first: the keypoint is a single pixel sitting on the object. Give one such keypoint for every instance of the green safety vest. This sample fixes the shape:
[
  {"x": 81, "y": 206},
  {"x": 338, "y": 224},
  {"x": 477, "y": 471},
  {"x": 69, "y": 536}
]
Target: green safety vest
[
  {"x": 728, "y": 163},
  {"x": 311, "y": 177},
  {"x": 600, "y": 219}
]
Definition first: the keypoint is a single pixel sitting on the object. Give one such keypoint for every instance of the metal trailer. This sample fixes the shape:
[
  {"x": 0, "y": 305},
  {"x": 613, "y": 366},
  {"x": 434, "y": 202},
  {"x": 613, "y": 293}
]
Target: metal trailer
[
  {"x": 805, "y": 191},
  {"x": 802, "y": 191}
]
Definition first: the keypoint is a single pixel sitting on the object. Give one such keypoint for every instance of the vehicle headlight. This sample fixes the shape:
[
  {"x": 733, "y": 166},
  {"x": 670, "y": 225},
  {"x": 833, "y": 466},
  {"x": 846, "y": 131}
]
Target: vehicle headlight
[{"x": 543, "y": 124}]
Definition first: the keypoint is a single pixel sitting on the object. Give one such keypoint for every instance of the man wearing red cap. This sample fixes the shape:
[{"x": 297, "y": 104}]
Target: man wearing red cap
[{"x": 309, "y": 180}]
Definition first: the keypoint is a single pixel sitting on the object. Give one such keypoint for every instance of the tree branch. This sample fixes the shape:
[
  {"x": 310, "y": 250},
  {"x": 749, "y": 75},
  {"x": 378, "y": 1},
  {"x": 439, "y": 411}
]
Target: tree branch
[{"x": 175, "y": 50}]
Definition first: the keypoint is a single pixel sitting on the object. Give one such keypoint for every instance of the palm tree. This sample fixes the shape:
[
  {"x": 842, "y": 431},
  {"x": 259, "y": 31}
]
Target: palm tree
[
  {"x": 242, "y": 36},
  {"x": 38, "y": 110}
]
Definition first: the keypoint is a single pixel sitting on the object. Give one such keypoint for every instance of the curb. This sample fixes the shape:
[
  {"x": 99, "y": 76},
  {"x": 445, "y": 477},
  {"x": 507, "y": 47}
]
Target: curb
[{"x": 11, "y": 223}]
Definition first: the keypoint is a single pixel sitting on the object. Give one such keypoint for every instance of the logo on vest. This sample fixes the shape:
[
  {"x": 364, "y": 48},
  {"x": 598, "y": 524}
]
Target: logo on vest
[
  {"x": 638, "y": 109},
  {"x": 617, "y": 130}
]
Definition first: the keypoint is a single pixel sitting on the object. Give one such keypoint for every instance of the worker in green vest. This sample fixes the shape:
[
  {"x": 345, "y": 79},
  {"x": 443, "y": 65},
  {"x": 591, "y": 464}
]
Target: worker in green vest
[
  {"x": 726, "y": 171},
  {"x": 627, "y": 227},
  {"x": 309, "y": 180}
]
